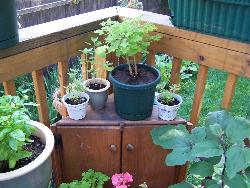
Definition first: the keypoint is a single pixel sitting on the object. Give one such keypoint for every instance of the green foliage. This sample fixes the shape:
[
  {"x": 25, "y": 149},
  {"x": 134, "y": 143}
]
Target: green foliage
[
  {"x": 216, "y": 150},
  {"x": 135, "y": 4},
  {"x": 90, "y": 179},
  {"x": 91, "y": 60},
  {"x": 128, "y": 38},
  {"x": 15, "y": 129}
]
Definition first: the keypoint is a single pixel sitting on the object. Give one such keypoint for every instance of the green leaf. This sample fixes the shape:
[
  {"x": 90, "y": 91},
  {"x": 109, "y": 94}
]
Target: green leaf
[
  {"x": 179, "y": 156},
  {"x": 183, "y": 185},
  {"x": 218, "y": 117},
  {"x": 238, "y": 158},
  {"x": 198, "y": 134},
  {"x": 209, "y": 182},
  {"x": 4, "y": 133},
  {"x": 203, "y": 169},
  {"x": 207, "y": 149},
  {"x": 214, "y": 160},
  {"x": 18, "y": 135},
  {"x": 214, "y": 186},
  {"x": 238, "y": 129},
  {"x": 12, "y": 163},
  {"x": 237, "y": 181},
  {"x": 13, "y": 143},
  {"x": 170, "y": 136},
  {"x": 216, "y": 129}
]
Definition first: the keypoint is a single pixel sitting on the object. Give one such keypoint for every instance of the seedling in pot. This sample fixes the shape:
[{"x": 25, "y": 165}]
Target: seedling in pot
[
  {"x": 90, "y": 61},
  {"x": 127, "y": 39},
  {"x": 168, "y": 96}
]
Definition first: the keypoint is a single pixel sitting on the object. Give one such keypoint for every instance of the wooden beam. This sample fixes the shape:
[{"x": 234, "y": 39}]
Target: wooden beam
[
  {"x": 63, "y": 80},
  {"x": 84, "y": 67},
  {"x": 176, "y": 71},
  {"x": 9, "y": 87},
  {"x": 229, "y": 91},
  {"x": 100, "y": 71},
  {"x": 151, "y": 58},
  {"x": 41, "y": 96},
  {"x": 198, "y": 95}
]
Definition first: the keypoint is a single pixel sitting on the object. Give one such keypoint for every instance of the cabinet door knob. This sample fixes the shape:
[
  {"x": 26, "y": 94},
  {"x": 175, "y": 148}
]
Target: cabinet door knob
[
  {"x": 130, "y": 147},
  {"x": 113, "y": 148}
]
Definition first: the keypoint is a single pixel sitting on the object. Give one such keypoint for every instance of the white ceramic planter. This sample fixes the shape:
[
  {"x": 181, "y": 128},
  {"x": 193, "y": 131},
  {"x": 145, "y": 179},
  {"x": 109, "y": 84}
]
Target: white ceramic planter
[
  {"x": 79, "y": 111},
  {"x": 37, "y": 173},
  {"x": 98, "y": 98},
  {"x": 166, "y": 112}
]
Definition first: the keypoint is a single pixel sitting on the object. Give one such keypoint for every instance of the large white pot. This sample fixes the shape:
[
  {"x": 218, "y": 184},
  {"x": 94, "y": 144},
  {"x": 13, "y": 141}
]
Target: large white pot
[
  {"x": 166, "y": 112},
  {"x": 98, "y": 98},
  {"x": 36, "y": 174},
  {"x": 79, "y": 111}
]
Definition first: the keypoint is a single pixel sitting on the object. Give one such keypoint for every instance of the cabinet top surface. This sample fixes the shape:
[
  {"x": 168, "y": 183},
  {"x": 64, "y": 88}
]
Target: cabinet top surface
[{"x": 108, "y": 117}]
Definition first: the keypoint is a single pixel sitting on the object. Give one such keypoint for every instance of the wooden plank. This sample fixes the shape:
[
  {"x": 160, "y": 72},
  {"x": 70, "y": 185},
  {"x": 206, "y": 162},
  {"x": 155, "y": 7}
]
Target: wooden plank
[
  {"x": 63, "y": 80},
  {"x": 9, "y": 87},
  {"x": 41, "y": 96},
  {"x": 229, "y": 91},
  {"x": 14, "y": 66},
  {"x": 100, "y": 71},
  {"x": 151, "y": 58},
  {"x": 84, "y": 67},
  {"x": 198, "y": 95},
  {"x": 176, "y": 71},
  {"x": 204, "y": 54}
]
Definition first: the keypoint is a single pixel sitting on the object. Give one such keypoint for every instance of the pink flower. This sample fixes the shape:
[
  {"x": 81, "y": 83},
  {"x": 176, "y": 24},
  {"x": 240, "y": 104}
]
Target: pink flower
[{"x": 122, "y": 180}]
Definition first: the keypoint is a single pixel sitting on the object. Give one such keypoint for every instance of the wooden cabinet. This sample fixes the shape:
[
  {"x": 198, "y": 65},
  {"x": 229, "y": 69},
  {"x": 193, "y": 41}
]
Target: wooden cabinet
[{"x": 106, "y": 143}]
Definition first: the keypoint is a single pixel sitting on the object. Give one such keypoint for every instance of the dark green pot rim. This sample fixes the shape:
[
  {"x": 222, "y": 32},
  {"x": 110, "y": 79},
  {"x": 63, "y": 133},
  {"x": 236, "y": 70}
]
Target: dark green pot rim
[{"x": 135, "y": 87}]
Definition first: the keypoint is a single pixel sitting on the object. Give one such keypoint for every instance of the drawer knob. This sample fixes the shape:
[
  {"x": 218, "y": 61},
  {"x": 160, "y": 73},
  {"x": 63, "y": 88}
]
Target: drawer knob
[
  {"x": 113, "y": 148},
  {"x": 130, "y": 147}
]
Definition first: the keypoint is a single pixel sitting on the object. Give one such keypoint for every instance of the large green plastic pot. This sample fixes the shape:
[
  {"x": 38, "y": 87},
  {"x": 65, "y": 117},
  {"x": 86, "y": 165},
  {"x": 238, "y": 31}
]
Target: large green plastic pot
[
  {"x": 134, "y": 102},
  {"x": 8, "y": 24},
  {"x": 224, "y": 18}
]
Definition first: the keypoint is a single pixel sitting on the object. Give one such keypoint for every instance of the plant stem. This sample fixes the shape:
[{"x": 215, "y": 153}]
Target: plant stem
[
  {"x": 224, "y": 165},
  {"x": 129, "y": 67},
  {"x": 136, "y": 71}
]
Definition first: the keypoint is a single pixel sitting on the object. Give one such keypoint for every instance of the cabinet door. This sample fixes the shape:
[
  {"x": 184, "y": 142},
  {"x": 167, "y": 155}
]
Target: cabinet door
[
  {"x": 144, "y": 160},
  {"x": 83, "y": 148}
]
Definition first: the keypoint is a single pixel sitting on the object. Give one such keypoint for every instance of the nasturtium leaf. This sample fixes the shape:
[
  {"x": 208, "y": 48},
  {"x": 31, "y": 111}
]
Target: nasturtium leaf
[
  {"x": 215, "y": 129},
  {"x": 13, "y": 143},
  {"x": 170, "y": 137},
  {"x": 207, "y": 148},
  {"x": 238, "y": 158},
  {"x": 214, "y": 160},
  {"x": 198, "y": 134},
  {"x": 183, "y": 185},
  {"x": 238, "y": 129},
  {"x": 179, "y": 156},
  {"x": 236, "y": 181},
  {"x": 209, "y": 182},
  {"x": 18, "y": 135},
  {"x": 219, "y": 117},
  {"x": 202, "y": 168}
]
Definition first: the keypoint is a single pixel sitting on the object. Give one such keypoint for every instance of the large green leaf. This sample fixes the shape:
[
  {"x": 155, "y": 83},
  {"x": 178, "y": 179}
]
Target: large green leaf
[
  {"x": 202, "y": 168},
  {"x": 218, "y": 117},
  {"x": 214, "y": 186},
  {"x": 209, "y": 182},
  {"x": 238, "y": 129},
  {"x": 215, "y": 129},
  {"x": 18, "y": 135},
  {"x": 198, "y": 134},
  {"x": 183, "y": 185},
  {"x": 207, "y": 149},
  {"x": 238, "y": 158},
  {"x": 179, "y": 156},
  {"x": 170, "y": 136},
  {"x": 237, "y": 181}
]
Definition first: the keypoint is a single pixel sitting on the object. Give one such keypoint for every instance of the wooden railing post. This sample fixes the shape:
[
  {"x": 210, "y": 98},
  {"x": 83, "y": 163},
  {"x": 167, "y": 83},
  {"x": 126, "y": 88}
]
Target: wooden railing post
[
  {"x": 63, "y": 81},
  {"x": 151, "y": 58},
  {"x": 41, "y": 96},
  {"x": 9, "y": 87},
  {"x": 198, "y": 95},
  {"x": 176, "y": 71},
  {"x": 229, "y": 91}
]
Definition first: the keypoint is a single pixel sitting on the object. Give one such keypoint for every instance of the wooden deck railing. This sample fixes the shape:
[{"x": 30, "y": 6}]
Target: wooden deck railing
[{"x": 57, "y": 41}]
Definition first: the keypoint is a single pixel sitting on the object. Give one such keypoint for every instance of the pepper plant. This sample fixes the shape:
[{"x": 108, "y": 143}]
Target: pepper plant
[
  {"x": 127, "y": 39},
  {"x": 217, "y": 151},
  {"x": 15, "y": 130}
]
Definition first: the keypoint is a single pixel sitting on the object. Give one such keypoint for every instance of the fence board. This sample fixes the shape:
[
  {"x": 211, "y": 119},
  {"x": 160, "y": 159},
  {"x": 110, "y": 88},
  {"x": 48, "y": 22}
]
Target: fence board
[
  {"x": 176, "y": 71},
  {"x": 9, "y": 87}
]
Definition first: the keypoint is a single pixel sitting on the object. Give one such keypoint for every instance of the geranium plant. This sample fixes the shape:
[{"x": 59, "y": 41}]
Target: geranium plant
[
  {"x": 217, "y": 150},
  {"x": 15, "y": 130},
  {"x": 127, "y": 39}
]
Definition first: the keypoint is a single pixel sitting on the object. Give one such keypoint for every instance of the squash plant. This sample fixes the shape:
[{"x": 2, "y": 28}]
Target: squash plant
[
  {"x": 15, "y": 130},
  {"x": 217, "y": 150}
]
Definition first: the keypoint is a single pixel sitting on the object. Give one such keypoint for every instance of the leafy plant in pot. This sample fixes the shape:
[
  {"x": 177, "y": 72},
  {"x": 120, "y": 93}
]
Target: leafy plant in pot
[
  {"x": 97, "y": 88},
  {"x": 76, "y": 100},
  {"x": 134, "y": 84},
  {"x": 168, "y": 103},
  {"x": 25, "y": 147},
  {"x": 218, "y": 151}
]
